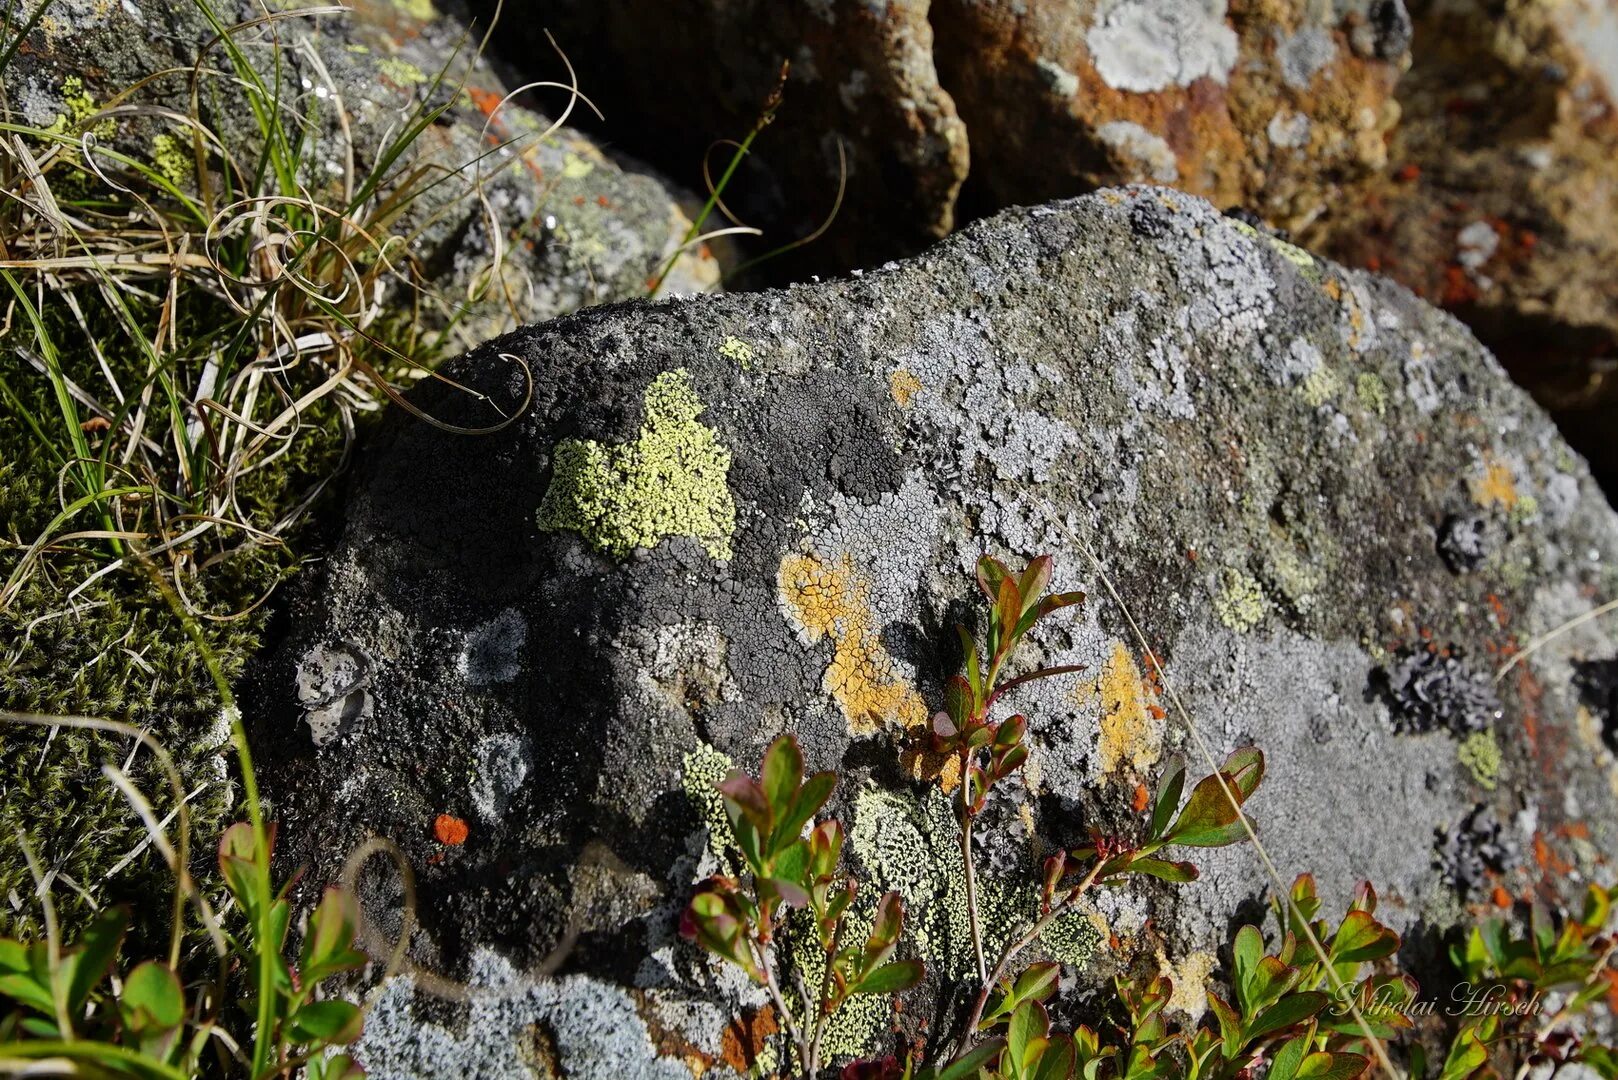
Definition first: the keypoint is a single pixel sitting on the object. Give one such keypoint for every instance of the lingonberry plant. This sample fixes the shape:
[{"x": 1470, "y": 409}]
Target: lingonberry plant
[
  {"x": 742, "y": 921},
  {"x": 1307, "y": 1009}
]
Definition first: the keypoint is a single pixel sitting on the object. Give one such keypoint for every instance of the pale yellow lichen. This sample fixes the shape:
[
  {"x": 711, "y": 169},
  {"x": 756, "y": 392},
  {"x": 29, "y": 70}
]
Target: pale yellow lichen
[
  {"x": 1321, "y": 385},
  {"x": 1240, "y": 603},
  {"x": 1480, "y": 753},
  {"x": 1131, "y": 725},
  {"x": 1372, "y": 392},
  {"x": 831, "y": 600},
  {"x": 904, "y": 386},
  {"x": 734, "y": 348},
  {"x": 673, "y": 480},
  {"x": 1190, "y": 979}
]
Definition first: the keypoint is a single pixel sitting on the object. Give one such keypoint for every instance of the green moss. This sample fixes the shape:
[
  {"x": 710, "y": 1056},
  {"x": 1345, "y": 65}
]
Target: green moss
[
  {"x": 1240, "y": 603},
  {"x": 671, "y": 481},
  {"x": 1480, "y": 753}
]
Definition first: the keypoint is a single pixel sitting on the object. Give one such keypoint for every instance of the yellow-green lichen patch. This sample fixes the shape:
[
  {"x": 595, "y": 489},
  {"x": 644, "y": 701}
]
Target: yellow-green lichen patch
[
  {"x": 420, "y": 10},
  {"x": 701, "y": 771},
  {"x": 734, "y": 348},
  {"x": 171, "y": 159},
  {"x": 1372, "y": 392},
  {"x": 401, "y": 72},
  {"x": 1480, "y": 753},
  {"x": 832, "y": 600},
  {"x": 673, "y": 480},
  {"x": 852, "y": 1030},
  {"x": 1321, "y": 385},
  {"x": 1495, "y": 485},
  {"x": 1240, "y": 603},
  {"x": 575, "y": 167},
  {"x": 1131, "y": 725}
]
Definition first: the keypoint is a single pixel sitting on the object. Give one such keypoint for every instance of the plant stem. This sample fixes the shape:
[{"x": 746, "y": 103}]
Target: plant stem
[
  {"x": 1018, "y": 945},
  {"x": 971, "y": 881},
  {"x": 821, "y": 1015},
  {"x": 794, "y": 1032}
]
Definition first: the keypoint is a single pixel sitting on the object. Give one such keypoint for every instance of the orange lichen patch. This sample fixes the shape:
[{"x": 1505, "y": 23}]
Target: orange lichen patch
[
  {"x": 1130, "y": 735},
  {"x": 832, "y": 600},
  {"x": 1501, "y": 898},
  {"x": 1143, "y": 798},
  {"x": 486, "y": 101},
  {"x": 670, "y": 1043},
  {"x": 450, "y": 830},
  {"x": 920, "y": 763},
  {"x": 1496, "y": 487},
  {"x": 904, "y": 386},
  {"x": 745, "y": 1037}
]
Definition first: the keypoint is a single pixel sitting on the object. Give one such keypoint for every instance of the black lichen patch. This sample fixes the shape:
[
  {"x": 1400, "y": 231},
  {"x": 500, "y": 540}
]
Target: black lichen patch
[
  {"x": 1597, "y": 683},
  {"x": 1463, "y": 542},
  {"x": 1466, "y": 853},
  {"x": 1428, "y": 689}
]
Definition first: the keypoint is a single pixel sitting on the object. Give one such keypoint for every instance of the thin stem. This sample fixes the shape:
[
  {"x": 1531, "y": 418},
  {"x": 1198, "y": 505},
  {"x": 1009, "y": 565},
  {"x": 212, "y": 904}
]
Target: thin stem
[
  {"x": 971, "y": 880},
  {"x": 821, "y": 1013},
  {"x": 1018, "y": 945},
  {"x": 794, "y": 1032}
]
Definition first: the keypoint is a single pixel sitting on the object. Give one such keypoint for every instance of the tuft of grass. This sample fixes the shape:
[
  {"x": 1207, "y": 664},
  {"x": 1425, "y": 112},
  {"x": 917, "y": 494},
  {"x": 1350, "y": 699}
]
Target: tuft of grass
[{"x": 197, "y": 317}]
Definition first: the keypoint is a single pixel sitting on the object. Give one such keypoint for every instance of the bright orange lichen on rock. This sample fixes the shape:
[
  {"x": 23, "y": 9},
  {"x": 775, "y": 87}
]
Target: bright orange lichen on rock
[
  {"x": 904, "y": 386},
  {"x": 450, "y": 830},
  {"x": 745, "y": 1038},
  {"x": 1496, "y": 487},
  {"x": 831, "y": 600},
  {"x": 1131, "y": 730}
]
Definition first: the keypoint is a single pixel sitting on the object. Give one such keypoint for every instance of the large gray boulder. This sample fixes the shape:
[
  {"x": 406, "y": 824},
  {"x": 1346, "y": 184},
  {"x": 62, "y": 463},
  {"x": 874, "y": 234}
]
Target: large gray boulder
[{"x": 724, "y": 518}]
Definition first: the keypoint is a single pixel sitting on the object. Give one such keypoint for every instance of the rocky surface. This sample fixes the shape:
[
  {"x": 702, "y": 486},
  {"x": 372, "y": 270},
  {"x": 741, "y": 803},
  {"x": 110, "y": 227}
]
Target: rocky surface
[
  {"x": 1257, "y": 104},
  {"x": 724, "y": 518},
  {"x": 1500, "y": 201},
  {"x": 673, "y": 79},
  {"x": 519, "y": 229}
]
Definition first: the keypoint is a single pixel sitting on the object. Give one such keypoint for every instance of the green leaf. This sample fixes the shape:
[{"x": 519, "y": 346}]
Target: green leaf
[
  {"x": 1176, "y": 872},
  {"x": 1466, "y": 1056},
  {"x": 1029, "y": 1023},
  {"x": 969, "y": 650},
  {"x": 1246, "y": 769},
  {"x": 1284, "y": 1065},
  {"x": 1324, "y": 1066},
  {"x": 1247, "y": 952},
  {"x": 25, "y": 975},
  {"x": 335, "y": 1067},
  {"x": 959, "y": 701},
  {"x": 1056, "y": 1063},
  {"x": 1168, "y": 799},
  {"x": 328, "y": 947},
  {"x": 152, "y": 999},
  {"x": 805, "y": 805},
  {"x": 892, "y": 978},
  {"x": 1034, "y": 578},
  {"x": 87, "y": 965},
  {"x": 238, "y": 851},
  {"x": 1289, "y": 1011},
  {"x": 329, "y": 1023},
  {"x": 991, "y": 572},
  {"x": 791, "y": 892},
  {"x": 782, "y": 774},
  {"x": 1008, "y": 611},
  {"x": 967, "y": 1065},
  {"x": 1361, "y": 938},
  {"x": 889, "y": 922}
]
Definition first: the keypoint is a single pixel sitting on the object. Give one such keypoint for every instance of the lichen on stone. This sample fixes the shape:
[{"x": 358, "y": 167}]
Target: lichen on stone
[
  {"x": 734, "y": 348},
  {"x": 832, "y": 600},
  {"x": 1480, "y": 753},
  {"x": 702, "y": 769},
  {"x": 673, "y": 480},
  {"x": 1240, "y": 602},
  {"x": 1131, "y": 735}
]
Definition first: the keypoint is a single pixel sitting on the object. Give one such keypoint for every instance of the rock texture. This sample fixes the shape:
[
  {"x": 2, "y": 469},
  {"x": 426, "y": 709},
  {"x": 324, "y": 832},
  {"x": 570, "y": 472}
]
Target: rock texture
[
  {"x": 673, "y": 79},
  {"x": 724, "y": 518},
  {"x": 1260, "y": 104},
  {"x": 521, "y": 228},
  {"x": 1501, "y": 197}
]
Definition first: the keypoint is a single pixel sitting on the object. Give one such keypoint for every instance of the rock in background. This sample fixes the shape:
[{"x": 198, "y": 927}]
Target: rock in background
[
  {"x": 1501, "y": 197},
  {"x": 674, "y": 78},
  {"x": 575, "y": 226},
  {"x": 720, "y": 519},
  {"x": 1468, "y": 149}
]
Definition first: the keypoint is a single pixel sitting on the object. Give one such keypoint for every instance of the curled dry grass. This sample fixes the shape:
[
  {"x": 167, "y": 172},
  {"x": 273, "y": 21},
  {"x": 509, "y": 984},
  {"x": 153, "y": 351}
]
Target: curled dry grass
[{"x": 197, "y": 336}]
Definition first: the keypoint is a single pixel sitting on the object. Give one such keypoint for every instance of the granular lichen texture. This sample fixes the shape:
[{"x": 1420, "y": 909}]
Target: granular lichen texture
[
  {"x": 673, "y": 480},
  {"x": 830, "y": 599},
  {"x": 1131, "y": 733}
]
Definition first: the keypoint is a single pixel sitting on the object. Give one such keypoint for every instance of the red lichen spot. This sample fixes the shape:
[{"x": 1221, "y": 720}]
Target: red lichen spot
[
  {"x": 578, "y": 200},
  {"x": 1191, "y": 553},
  {"x": 450, "y": 830},
  {"x": 1501, "y": 898},
  {"x": 1499, "y": 609},
  {"x": 601, "y": 200},
  {"x": 1409, "y": 174},
  {"x": 1458, "y": 287},
  {"x": 487, "y": 101},
  {"x": 1526, "y": 239},
  {"x": 1143, "y": 798},
  {"x": 1373, "y": 263}
]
